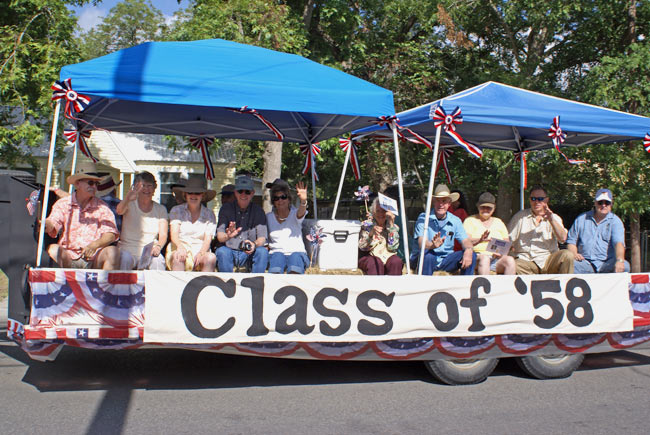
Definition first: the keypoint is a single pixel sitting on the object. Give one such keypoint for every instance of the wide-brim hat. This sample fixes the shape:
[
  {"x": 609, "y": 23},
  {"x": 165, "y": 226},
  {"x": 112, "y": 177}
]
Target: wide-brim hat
[
  {"x": 278, "y": 184},
  {"x": 85, "y": 170},
  {"x": 442, "y": 191},
  {"x": 106, "y": 185},
  {"x": 197, "y": 185}
]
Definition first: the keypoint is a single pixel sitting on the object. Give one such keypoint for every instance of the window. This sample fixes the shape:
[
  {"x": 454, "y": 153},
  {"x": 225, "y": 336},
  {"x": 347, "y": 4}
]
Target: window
[{"x": 166, "y": 194}]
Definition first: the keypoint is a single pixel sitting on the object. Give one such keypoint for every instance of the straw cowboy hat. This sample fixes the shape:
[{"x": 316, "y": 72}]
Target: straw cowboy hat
[
  {"x": 106, "y": 185},
  {"x": 197, "y": 185},
  {"x": 85, "y": 170},
  {"x": 442, "y": 191}
]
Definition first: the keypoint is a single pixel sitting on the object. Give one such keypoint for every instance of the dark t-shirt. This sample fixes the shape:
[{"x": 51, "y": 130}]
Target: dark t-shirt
[{"x": 252, "y": 221}]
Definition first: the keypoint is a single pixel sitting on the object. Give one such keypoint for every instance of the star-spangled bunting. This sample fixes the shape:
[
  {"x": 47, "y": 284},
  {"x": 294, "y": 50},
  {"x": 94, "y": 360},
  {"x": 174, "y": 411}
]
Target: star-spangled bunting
[
  {"x": 519, "y": 156},
  {"x": 315, "y": 150},
  {"x": 78, "y": 138},
  {"x": 449, "y": 123},
  {"x": 443, "y": 154},
  {"x": 278, "y": 134},
  {"x": 203, "y": 143},
  {"x": 73, "y": 101},
  {"x": 558, "y": 136},
  {"x": 345, "y": 144},
  {"x": 646, "y": 142}
]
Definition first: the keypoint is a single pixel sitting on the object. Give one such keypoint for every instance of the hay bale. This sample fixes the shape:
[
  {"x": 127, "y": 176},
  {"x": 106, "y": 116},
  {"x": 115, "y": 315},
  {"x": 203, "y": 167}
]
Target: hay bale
[{"x": 315, "y": 270}]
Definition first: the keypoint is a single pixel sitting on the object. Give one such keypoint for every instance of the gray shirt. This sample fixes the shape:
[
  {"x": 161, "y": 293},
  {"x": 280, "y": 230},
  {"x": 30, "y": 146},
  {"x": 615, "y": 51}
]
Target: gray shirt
[{"x": 252, "y": 221}]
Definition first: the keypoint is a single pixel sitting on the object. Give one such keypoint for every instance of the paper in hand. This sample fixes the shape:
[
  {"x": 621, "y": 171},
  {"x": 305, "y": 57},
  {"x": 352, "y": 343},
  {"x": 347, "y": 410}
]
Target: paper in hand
[
  {"x": 388, "y": 204},
  {"x": 498, "y": 246}
]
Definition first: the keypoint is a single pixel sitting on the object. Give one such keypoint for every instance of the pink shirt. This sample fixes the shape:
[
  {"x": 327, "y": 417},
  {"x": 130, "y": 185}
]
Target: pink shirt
[{"x": 81, "y": 227}]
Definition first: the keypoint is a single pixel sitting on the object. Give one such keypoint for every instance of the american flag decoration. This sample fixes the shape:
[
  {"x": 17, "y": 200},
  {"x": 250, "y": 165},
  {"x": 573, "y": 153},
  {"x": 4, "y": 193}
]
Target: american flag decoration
[
  {"x": 443, "y": 155},
  {"x": 449, "y": 123},
  {"x": 521, "y": 156},
  {"x": 315, "y": 236},
  {"x": 646, "y": 142},
  {"x": 278, "y": 134},
  {"x": 73, "y": 101},
  {"x": 349, "y": 144},
  {"x": 315, "y": 150},
  {"x": 78, "y": 138},
  {"x": 32, "y": 202},
  {"x": 203, "y": 144},
  {"x": 558, "y": 137}
]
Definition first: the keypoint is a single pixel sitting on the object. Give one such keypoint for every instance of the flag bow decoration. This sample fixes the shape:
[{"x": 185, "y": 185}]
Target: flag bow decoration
[
  {"x": 78, "y": 138},
  {"x": 521, "y": 157},
  {"x": 393, "y": 121},
  {"x": 278, "y": 134},
  {"x": 646, "y": 142},
  {"x": 558, "y": 136},
  {"x": 202, "y": 143},
  {"x": 443, "y": 154},
  {"x": 349, "y": 144},
  {"x": 73, "y": 101},
  {"x": 449, "y": 123},
  {"x": 311, "y": 156}
]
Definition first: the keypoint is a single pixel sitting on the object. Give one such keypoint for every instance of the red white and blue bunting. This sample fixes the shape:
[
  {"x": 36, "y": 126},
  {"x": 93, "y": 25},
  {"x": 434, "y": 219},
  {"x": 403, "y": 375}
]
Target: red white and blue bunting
[
  {"x": 448, "y": 123},
  {"x": 278, "y": 134},
  {"x": 74, "y": 102},
  {"x": 203, "y": 144},
  {"x": 558, "y": 136},
  {"x": 646, "y": 142},
  {"x": 79, "y": 138},
  {"x": 315, "y": 150},
  {"x": 443, "y": 155},
  {"x": 518, "y": 158},
  {"x": 349, "y": 144}
]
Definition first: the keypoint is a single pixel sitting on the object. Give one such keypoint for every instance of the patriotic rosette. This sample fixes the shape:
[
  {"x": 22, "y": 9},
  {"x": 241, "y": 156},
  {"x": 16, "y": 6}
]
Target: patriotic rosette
[
  {"x": 278, "y": 134},
  {"x": 558, "y": 136},
  {"x": 403, "y": 348},
  {"x": 74, "y": 102},
  {"x": 646, "y": 142},
  {"x": 79, "y": 138},
  {"x": 203, "y": 145},
  {"x": 449, "y": 122},
  {"x": 464, "y": 347},
  {"x": 349, "y": 144},
  {"x": 335, "y": 351},
  {"x": 310, "y": 152}
]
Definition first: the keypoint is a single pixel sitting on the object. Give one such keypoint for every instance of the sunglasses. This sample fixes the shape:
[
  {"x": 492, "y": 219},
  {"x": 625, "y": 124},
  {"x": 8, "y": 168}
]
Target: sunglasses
[
  {"x": 244, "y": 192},
  {"x": 537, "y": 198},
  {"x": 91, "y": 182},
  {"x": 194, "y": 193},
  {"x": 604, "y": 202},
  {"x": 277, "y": 198}
]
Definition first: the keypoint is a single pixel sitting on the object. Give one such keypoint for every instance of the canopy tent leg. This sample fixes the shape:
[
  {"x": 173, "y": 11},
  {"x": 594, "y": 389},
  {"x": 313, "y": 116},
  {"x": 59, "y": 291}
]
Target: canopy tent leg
[
  {"x": 121, "y": 185},
  {"x": 48, "y": 180},
  {"x": 74, "y": 161},
  {"x": 338, "y": 193},
  {"x": 313, "y": 180},
  {"x": 427, "y": 211},
  {"x": 521, "y": 182},
  {"x": 400, "y": 186}
]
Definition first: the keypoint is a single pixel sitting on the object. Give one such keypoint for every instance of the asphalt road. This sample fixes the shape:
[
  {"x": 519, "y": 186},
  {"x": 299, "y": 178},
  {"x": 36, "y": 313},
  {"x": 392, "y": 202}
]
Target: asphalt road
[{"x": 173, "y": 391}]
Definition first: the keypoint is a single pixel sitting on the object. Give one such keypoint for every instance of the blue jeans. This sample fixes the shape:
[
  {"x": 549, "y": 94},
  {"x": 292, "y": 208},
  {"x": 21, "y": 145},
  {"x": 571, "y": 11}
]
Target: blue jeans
[
  {"x": 450, "y": 263},
  {"x": 607, "y": 267},
  {"x": 296, "y": 262},
  {"x": 228, "y": 258}
]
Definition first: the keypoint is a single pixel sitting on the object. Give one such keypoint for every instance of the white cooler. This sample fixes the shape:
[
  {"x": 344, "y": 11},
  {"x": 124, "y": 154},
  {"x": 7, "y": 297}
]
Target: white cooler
[{"x": 340, "y": 247}]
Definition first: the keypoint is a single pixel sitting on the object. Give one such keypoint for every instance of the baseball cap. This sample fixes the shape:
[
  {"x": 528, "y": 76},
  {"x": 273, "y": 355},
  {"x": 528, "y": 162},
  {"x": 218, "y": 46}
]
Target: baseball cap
[{"x": 604, "y": 194}]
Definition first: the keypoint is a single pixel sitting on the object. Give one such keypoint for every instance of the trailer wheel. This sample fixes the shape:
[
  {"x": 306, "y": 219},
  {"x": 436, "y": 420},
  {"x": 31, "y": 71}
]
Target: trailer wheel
[
  {"x": 550, "y": 366},
  {"x": 461, "y": 371}
]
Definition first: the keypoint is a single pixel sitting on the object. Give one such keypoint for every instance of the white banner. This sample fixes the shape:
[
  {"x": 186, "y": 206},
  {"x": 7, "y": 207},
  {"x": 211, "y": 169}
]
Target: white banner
[{"x": 191, "y": 307}]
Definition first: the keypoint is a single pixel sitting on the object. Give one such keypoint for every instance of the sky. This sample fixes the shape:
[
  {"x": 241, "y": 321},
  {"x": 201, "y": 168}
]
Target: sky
[{"x": 89, "y": 16}]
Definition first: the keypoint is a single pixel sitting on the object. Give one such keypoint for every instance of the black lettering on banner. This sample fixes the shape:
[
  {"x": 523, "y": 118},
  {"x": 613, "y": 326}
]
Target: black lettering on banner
[
  {"x": 319, "y": 306},
  {"x": 581, "y": 301},
  {"x": 256, "y": 285},
  {"x": 189, "y": 300},
  {"x": 537, "y": 288},
  {"x": 452, "y": 311},
  {"x": 298, "y": 309},
  {"x": 474, "y": 302},
  {"x": 363, "y": 304}
]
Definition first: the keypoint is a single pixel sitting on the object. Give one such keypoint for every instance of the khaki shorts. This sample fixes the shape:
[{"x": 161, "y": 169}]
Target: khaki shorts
[
  {"x": 80, "y": 263},
  {"x": 189, "y": 258}
]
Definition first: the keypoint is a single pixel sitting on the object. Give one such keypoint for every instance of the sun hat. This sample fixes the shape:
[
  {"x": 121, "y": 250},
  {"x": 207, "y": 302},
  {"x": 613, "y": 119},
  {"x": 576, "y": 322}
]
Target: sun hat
[
  {"x": 486, "y": 199},
  {"x": 228, "y": 189},
  {"x": 198, "y": 185},
  {"x": 85, "y": 170},
  {"x": 106, "y": 185},
  {"x": 279, "y": 184},
  {"x": 442, "y": 191},
  {"x": 244, "y": 182},
  {"x": 604, "y": 194}
]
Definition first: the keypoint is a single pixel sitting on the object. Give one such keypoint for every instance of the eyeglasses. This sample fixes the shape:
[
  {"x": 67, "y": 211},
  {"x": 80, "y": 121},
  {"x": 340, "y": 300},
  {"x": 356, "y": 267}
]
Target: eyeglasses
[
  {"x": 537, "y": 198},
  {"x": 277, "y": 198},
  {"x": 604, "y": 202},
  {"x": 91, "y": 182},
  {"x": 244, "y": 192}
]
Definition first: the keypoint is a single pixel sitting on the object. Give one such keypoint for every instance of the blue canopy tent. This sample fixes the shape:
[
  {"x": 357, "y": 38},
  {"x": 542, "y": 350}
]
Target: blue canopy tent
[
  {"x": 503, "y": 117},
  {"x": 200, "y": 89}
]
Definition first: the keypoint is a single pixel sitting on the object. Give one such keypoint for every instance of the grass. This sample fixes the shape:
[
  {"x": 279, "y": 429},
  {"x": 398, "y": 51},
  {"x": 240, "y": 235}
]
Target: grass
[{"x": 4, "y": 285}]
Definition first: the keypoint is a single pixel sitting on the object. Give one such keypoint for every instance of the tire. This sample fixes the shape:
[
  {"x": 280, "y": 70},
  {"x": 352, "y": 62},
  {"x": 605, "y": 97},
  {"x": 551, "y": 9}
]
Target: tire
[
  {"x": 550, "y": 366},
  {"x": 461, "y": 371}
]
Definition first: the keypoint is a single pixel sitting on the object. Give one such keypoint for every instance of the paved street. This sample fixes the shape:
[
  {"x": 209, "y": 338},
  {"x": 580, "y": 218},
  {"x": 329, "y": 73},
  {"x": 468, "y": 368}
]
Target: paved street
[{"x": 173, "y": 391}]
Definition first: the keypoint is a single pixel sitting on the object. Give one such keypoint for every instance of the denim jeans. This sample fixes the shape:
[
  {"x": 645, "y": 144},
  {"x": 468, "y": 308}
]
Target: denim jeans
[
  {"x": 607, "y": 267},
  {"x": 228, "y": 258},
  {"x": 296, "y": 262},
  {"x": 450, "y": 263}
]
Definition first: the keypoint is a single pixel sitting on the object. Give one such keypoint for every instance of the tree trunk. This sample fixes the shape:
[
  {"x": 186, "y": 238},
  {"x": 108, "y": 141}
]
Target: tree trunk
[
  {"x": 635, "y": 242},
  {"x": 272, "y": 169},
  {"x": 505, "y": 196}
]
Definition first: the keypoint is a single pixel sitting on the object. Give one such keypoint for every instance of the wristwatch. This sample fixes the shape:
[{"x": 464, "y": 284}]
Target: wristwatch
[{"x": 620, "y": 260}]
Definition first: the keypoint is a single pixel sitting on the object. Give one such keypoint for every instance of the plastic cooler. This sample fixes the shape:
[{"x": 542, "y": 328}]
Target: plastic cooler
[{"x": 340, "y": 247}]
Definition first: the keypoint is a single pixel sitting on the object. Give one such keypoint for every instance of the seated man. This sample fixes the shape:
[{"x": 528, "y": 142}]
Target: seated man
[
  {"x": 444, "y": 229},
  {"x": 535, "y": 233},
  {"x": 241, "y": 231},
  {"x": 88, "y": 226},
  {"x": 597, "y": 238}
]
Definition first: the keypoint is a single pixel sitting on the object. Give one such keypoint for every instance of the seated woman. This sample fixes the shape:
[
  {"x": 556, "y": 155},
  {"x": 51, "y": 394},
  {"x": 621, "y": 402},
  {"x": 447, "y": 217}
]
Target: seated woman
[
  {"x": 284, "y": 222},
  {"x": 144, "y": 226},
  {"x": 379, "y": 237},
  {"x": 192, "y": 226},
  {"x": 480, "y": 228}
]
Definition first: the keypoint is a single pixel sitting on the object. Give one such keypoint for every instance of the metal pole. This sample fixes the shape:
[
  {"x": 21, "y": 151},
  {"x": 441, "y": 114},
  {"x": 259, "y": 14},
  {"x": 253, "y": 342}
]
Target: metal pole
[
  {"x": 427, "y": 211},
  {"x": 313, "y": 180},
  {"x": 338, "y": 194},
  {"x": 521, "y": 181},
  {"x": 48, "y": 180},
  {"x": 74, "y": 160},
  {"x": 402, "y": 201}
]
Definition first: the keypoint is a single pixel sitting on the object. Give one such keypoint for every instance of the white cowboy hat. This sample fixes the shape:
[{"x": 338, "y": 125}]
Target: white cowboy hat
[
  {"x": 85, "y": 170},
  {"x": 442, "y": 191}
]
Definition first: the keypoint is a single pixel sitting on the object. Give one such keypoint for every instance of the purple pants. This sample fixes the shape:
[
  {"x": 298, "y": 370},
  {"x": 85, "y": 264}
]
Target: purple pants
[{"x": 371, "y": 265}]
